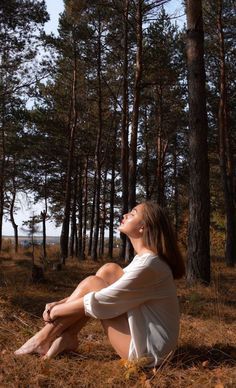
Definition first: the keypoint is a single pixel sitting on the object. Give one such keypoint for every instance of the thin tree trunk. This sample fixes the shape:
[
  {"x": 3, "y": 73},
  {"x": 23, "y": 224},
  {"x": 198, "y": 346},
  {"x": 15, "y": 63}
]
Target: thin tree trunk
[
  {"x": 85, "y": 190},
  {"x": 112, "y": 197},
  {"x": 66, "y": 220},
  {"x": 226, "y": 162},
  {"x": 146, "y": 157},
  {"x": 12, "y": 205},
  {"x": 198, "y": 267},
  {"x": 73, "y": 236},
  {"x": 136, "y": 104},
  {"x": 162, "y": 146},
  {"x": 44, "y": 214},
  {"x": 44, "y": 217},
  {"x": 97, "y": 151},
  {"x": 80, "y": 220},
  {"x": 103, "y": 217},
  {"x": 176, "y": 188},
  {"x": 92, "y": 217},
  {"x": 135, "y": 114},
  {"x": 2, "y": 170},
  {"x": 124, "y": 128}
]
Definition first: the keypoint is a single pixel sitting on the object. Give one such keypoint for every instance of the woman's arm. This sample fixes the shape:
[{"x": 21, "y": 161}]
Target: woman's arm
[
  {"x": 135, "y": 287},
  {"x": 69, "y": 309}
]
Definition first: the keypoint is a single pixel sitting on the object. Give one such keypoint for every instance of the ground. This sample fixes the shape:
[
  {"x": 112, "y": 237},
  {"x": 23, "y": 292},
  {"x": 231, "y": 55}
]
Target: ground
[{"x": 206, "y": 354}]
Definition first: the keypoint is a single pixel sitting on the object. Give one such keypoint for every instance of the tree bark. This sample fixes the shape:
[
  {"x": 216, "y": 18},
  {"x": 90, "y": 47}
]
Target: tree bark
[
  {"x": 14, "y": 225},
  {"x": 146, "y": 158},
  {"x": 162, "y": 146},
  {"x": 2, "y": 169},
  {"x": 112, "y": 197},
  {"x": 225, "y": 154},
  {"x": 92, "y": 216},
  {"x": 73, "y": 236},
  {"x": 124, "y": 127},
  {"x": 136, "y": 104},
  {"x": 79, "y": 245},
  {"x": 135, "y": 114},
  {"x": 94, "y": 254},
  {"x": 85, "y": 190},
  {"x": 198, "y": 266},
  {"x": 103, "y": 217},
  {"x": 64, "y": 239},
  {"x": 175, "y": 183}
]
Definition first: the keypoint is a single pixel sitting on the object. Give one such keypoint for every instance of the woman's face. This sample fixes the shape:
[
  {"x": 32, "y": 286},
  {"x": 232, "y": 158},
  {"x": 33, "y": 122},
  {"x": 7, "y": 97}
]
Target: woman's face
[{"x": 132, "y": 222}]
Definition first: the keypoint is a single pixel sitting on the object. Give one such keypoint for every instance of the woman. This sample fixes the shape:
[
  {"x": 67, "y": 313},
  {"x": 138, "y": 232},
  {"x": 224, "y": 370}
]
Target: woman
[{"x": 137, "y": 305}]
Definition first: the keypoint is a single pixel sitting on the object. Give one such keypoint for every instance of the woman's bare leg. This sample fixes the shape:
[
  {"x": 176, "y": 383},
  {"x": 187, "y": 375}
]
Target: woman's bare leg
[
  {"x": 68, "y": 340},
  {"x": 116, "y": 329},
  {"x": 118, "y": 333},
  {"x": 43, "y": 341}
]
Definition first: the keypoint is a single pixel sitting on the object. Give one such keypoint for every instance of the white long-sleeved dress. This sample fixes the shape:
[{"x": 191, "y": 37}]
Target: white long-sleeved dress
[{"x": 147, "y": 293}]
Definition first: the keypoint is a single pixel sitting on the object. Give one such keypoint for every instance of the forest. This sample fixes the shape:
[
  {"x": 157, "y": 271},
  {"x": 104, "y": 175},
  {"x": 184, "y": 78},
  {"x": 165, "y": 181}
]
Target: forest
[{"x": 123, "y": 105}]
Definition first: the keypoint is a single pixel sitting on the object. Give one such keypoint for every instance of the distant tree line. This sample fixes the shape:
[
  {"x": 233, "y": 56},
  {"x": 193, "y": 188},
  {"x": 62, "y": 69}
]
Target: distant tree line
[{"x": 123, "y": 105}]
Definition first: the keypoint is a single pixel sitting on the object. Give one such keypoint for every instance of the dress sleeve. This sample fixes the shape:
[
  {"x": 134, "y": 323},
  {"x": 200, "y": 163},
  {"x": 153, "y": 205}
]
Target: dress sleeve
[{"x": 137, "y": 285}]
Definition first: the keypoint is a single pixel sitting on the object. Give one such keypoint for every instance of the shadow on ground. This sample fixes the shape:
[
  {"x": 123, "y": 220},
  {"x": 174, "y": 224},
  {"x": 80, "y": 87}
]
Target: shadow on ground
[{"x": 189, "y": 356}]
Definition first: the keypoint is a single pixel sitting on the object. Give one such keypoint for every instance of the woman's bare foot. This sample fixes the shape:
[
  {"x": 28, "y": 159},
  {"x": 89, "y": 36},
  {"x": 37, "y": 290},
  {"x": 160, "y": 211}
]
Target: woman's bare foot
[
  {"x": 66, "y": 342},
  {"x": 33, "y": 345}
]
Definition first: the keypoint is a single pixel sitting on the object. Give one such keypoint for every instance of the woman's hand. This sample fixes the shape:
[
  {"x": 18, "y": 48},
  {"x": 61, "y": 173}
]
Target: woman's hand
[
  {"x": 48, "y": 308},
  {"x": 54, "y": 313}
]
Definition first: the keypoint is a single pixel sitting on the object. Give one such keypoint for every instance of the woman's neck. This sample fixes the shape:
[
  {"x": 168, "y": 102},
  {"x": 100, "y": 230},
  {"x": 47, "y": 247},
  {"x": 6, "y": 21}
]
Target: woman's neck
[{"x": 139, "y": 246}]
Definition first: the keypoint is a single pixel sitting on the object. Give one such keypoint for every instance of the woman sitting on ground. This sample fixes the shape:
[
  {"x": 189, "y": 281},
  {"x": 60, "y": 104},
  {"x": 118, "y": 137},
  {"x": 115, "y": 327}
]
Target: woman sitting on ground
[{"x": 137, "y": 305}]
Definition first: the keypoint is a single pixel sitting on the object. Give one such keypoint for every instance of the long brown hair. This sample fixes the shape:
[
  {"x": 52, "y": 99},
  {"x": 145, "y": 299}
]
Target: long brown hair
[{"x": 159, "y": 236}]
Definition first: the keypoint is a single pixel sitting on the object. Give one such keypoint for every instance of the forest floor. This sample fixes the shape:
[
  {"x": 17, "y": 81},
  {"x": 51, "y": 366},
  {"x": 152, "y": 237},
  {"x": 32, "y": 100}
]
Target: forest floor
[{"x": 206, "y": 354}]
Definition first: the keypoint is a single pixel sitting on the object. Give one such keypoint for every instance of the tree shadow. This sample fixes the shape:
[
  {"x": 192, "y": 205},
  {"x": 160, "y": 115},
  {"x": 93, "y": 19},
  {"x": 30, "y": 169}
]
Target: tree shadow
[
  {"x": 189, "y": 356},
  {"x": 31, "y": 304},
  {"x": 199, "y": 306}
]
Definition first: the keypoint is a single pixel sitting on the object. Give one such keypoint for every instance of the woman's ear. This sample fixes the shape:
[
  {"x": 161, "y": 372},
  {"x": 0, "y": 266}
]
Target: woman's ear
[{"x": 141, "y": 229}]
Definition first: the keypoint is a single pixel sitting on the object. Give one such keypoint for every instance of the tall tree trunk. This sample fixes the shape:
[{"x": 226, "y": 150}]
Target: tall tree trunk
[
  {"x": 146, "y": 157},
  {"x": 44, "y": 217},
  {"x": 162, "y": 145},
  {"x": 73, "y": 236},
  {"x": 136, "y": 104},
  {"x": 176, "y": 187},
  {"x": 80, "y": 220},
  {"x": 112, "y": 197},
  {"x": 12, "y": 205},
  {"x": 44, "y": 214},
  {"x": 98, "y": 148},
  {"x": 103, "y": 217},
  {"x": 198, "y": 267},
  {"x": 92, "y": 216},
  {"x": 2, "y": 169},
  {"x": 124, "y": 127},
  {"x": 85, "y": 190},
  {"x": 135, "y": 114},
  {"x": 64, "y": 239},
  {"x": 226, "y": 160}
]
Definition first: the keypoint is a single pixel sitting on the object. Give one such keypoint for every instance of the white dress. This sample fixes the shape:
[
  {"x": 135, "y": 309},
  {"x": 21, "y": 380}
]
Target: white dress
[{"x": 147, "y": 293}]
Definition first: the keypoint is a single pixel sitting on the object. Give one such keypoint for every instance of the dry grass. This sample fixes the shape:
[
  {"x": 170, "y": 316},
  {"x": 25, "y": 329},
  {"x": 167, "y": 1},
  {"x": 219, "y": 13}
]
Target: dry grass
[{"x": 205, "y": 356}]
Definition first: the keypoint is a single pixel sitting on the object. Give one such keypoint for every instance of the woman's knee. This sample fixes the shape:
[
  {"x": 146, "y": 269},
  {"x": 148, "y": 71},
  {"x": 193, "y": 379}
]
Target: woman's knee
[
  {"x": 110, "y": 272},
  {"x": 92, "y": 283}
]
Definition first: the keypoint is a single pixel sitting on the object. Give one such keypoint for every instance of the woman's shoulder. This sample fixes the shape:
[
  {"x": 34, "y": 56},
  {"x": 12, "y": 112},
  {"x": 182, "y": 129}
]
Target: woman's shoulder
[{"x": 155, "y": 262}]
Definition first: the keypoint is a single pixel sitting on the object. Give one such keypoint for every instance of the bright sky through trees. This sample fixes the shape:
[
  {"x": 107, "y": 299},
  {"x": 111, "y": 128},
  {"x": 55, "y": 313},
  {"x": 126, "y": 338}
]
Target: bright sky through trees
[{"x": 174, "y": 8}]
